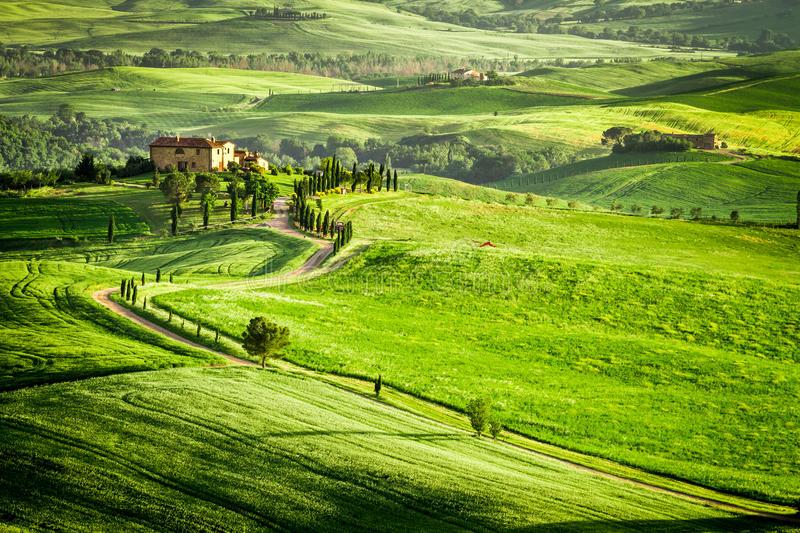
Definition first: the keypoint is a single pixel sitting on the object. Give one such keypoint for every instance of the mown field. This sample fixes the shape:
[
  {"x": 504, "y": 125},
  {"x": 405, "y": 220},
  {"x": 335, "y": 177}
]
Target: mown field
[
  {"x": 666, "y": 345},
  {"x": 50, "y": 330},
  {"x": 59, "y": 218},
  {"x": 760, "y": 190},
  {"x": 245, "y": 449}
]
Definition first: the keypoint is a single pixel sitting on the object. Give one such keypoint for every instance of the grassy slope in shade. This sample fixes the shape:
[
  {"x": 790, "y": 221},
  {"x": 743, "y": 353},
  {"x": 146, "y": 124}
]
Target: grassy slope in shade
[
  {"x": 250, "y": 449},
  {"x": 50, "y": 330},
  {"x": 50, "y": 218},
  {"x": 764, "y": 190},
  {"x": 610, "y": 350}
]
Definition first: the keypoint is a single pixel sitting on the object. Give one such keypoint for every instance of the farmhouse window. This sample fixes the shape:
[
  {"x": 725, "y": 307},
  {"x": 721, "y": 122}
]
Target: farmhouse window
[
  {"x": 197, "y": 152},
  {"x": 179, "y": 150}
]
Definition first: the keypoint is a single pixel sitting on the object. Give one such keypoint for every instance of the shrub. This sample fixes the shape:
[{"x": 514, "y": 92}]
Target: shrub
[
  {"x": 696, "y": 213},
  {"x": 551, "y": 202},
  {"x": 655, "y": 210},
  {"x": 676, "y": 212},
  {"x": 478, "y": 411},
  {"x": 495, "y": 427},
  {"x": 572, "y": 204},
  {"x": 636, "y": 209}
]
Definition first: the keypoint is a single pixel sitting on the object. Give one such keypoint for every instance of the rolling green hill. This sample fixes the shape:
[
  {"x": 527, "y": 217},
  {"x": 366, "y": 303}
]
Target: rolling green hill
[
  {"x": 221, "y": 26},
  {"x": 663, "y": 344},
  {"x": 762, "y": 191},
  {"x": 243, "y": 449}
]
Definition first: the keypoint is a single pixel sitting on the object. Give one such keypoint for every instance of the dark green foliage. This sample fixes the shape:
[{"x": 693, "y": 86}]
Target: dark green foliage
[
  {"x": 197, "y": 333},
  {"x": 86, "y": 170},
  {"x": 495, "y": 426},
  {"x": 122, "y": 287},
  {"x": 264, "y": 338},
  {"x": 326, "y": 222},
  {"x": 174, "y": 220},
  {"x": 650, "y": 141},
  {"x": 135, "y": 295},
  {"x": 170, "y": 277},
  {"x": 395, "y": 180},
  {"x": 143, "y": 279},
  {"x": 111, "y": 228},
  {"x": 176, "y": 188},
  {"x": 144, "y": 303},
  {"x": 378, "y": 386},
  {"x": 797, "y": 225},
  {"x": 319, "y": 223},
  {"x": 479, "y": 412},
  {"x": 129, "y": 290},
  {"x": 158, "y": 275}
]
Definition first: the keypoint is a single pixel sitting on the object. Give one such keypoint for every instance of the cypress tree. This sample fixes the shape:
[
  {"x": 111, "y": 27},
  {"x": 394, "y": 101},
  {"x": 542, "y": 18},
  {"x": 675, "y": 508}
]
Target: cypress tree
[
  {"x": 111, "y": 227},
  {"x": 216, "y": 337},
  {"x": 234, "y": 204},
  {"x": 144, "y": 303},
  {"x": 158, "y": 275},
  {"x": 326, "y": 223},
  {"x": 170, "y": 316},
  {"x": 183, "y": 324},
  {"x": 174, "y": 218},
  {"x": 355, "y": 178},
  {"x": 135, "y": 294},
  {"x": 378, "y": 386},
  {"x": 388, "y": 179},
  {"x": 395, "y": 180},
  {"x": 170, "y": 277},
  {"x": 319, "y": 223},
  {"x": 197, "y": 334},
  {"x": 129, "y": 290},
  {"x": 122, "y": 288},
  {"x": 332, "y": 228},
  {"x": 142, "y": 279}
]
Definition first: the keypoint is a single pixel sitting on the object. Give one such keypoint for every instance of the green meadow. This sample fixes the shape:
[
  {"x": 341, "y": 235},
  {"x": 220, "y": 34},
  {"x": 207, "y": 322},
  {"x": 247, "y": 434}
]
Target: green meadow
[
  {"x": 602, "y": 333},
  {"x": 245, "y": 449}
]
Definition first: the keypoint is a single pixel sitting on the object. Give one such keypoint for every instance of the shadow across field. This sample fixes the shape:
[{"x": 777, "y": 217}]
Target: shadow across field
[{"x": 732, "y": 524}]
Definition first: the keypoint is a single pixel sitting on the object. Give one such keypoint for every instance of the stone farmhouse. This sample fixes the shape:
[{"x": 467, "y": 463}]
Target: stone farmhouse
[
  {"x": 197, "y": 154},
  {"x": 467, "y": 74},
  {"x": 701, "y": 141}
]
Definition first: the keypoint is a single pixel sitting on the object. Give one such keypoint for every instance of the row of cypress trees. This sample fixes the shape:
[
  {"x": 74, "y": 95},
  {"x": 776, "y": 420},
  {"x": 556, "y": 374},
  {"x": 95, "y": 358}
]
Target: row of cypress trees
[
  {"x": 130, "y": 291},
  {"x": 342, "y": 237}
]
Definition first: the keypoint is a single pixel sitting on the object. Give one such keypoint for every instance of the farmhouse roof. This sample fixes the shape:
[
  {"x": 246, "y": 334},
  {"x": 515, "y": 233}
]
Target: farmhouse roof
[{"x": 188, "y": 142}]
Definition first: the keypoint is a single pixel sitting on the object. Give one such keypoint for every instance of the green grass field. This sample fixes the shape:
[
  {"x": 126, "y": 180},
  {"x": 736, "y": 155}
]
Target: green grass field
[
  {"x": 219, "y": 25},
  {"x": 760, "y": 190},
  {"x": 59, "y": 218},
  {"x": 597, "y": 332},
  {"x": 244, "y": 449},
  {"x": 50, "y": 330}
]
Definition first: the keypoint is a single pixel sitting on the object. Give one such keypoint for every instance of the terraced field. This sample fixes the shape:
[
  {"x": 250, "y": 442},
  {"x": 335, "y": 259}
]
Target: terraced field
[{"x": 251, "y": 449}]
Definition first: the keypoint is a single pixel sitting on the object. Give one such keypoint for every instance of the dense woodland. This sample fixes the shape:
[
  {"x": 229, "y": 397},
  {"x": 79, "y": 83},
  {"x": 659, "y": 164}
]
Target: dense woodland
[
  {"x": 58, "y": 142},
  {"x": 452, "y": 156}
]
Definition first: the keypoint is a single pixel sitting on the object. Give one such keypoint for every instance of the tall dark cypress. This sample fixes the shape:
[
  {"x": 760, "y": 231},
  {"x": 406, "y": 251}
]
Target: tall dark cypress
[
  {"x": 158, "y": 275},
  {"x": 122, "y": 288},
  {"x": 325, "y": 223},
  {"x": 395, "y": 180},
  {"x": 388, "y": 179},
  {"x": 355, "y": 177},
  {"x": 142, "y": 279},
  {"x": 111, "y": 227},
  {"x": 319, "y": 223}
]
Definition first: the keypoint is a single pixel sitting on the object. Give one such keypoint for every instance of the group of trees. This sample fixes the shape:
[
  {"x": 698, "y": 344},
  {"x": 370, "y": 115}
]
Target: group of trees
[
  {"x": 623, "y": 140},
  {"x": 22, "y": 62},
  {"x": 59, "y": 142},
  {"x": 286, "y": 13},
  {"x": 451, "y": 156},
  {"x": 253, "y": 185}
]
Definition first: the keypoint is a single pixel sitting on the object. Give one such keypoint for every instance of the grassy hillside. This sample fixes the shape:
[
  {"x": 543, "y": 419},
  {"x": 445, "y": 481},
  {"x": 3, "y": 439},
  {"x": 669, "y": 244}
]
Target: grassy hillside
[
  {"x": 220, "y": 26},
  {"x": 50, "y": 330},
  {"x": 764, "y": 190},
  {"x": 250, "y": 449},
  {"x": 445, "y": 101},
  {"x": 601, "y": 333},
  {"x": 57, "y": 218}
]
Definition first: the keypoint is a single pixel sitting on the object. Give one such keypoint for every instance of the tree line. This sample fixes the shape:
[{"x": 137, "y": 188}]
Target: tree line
[
  {"x": 286, "y": 13},
  {"x": 23, "y": 62}
]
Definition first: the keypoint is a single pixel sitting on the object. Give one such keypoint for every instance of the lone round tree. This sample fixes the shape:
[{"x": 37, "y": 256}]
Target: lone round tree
[{"x": 264, "y": 338}]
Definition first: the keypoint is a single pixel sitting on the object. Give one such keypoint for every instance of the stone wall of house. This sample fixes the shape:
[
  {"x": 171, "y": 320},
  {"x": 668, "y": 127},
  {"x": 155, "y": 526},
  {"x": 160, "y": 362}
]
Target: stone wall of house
[{"x": 196, "y": 159}]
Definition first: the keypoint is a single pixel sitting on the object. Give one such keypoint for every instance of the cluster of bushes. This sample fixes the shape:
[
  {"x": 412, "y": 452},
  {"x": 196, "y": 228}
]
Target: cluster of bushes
[{"x": 58, "y": 142}]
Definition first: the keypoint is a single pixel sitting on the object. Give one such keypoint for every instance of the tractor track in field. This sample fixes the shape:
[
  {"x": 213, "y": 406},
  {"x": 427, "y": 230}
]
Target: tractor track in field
[{"x": 312, "y": 264}]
